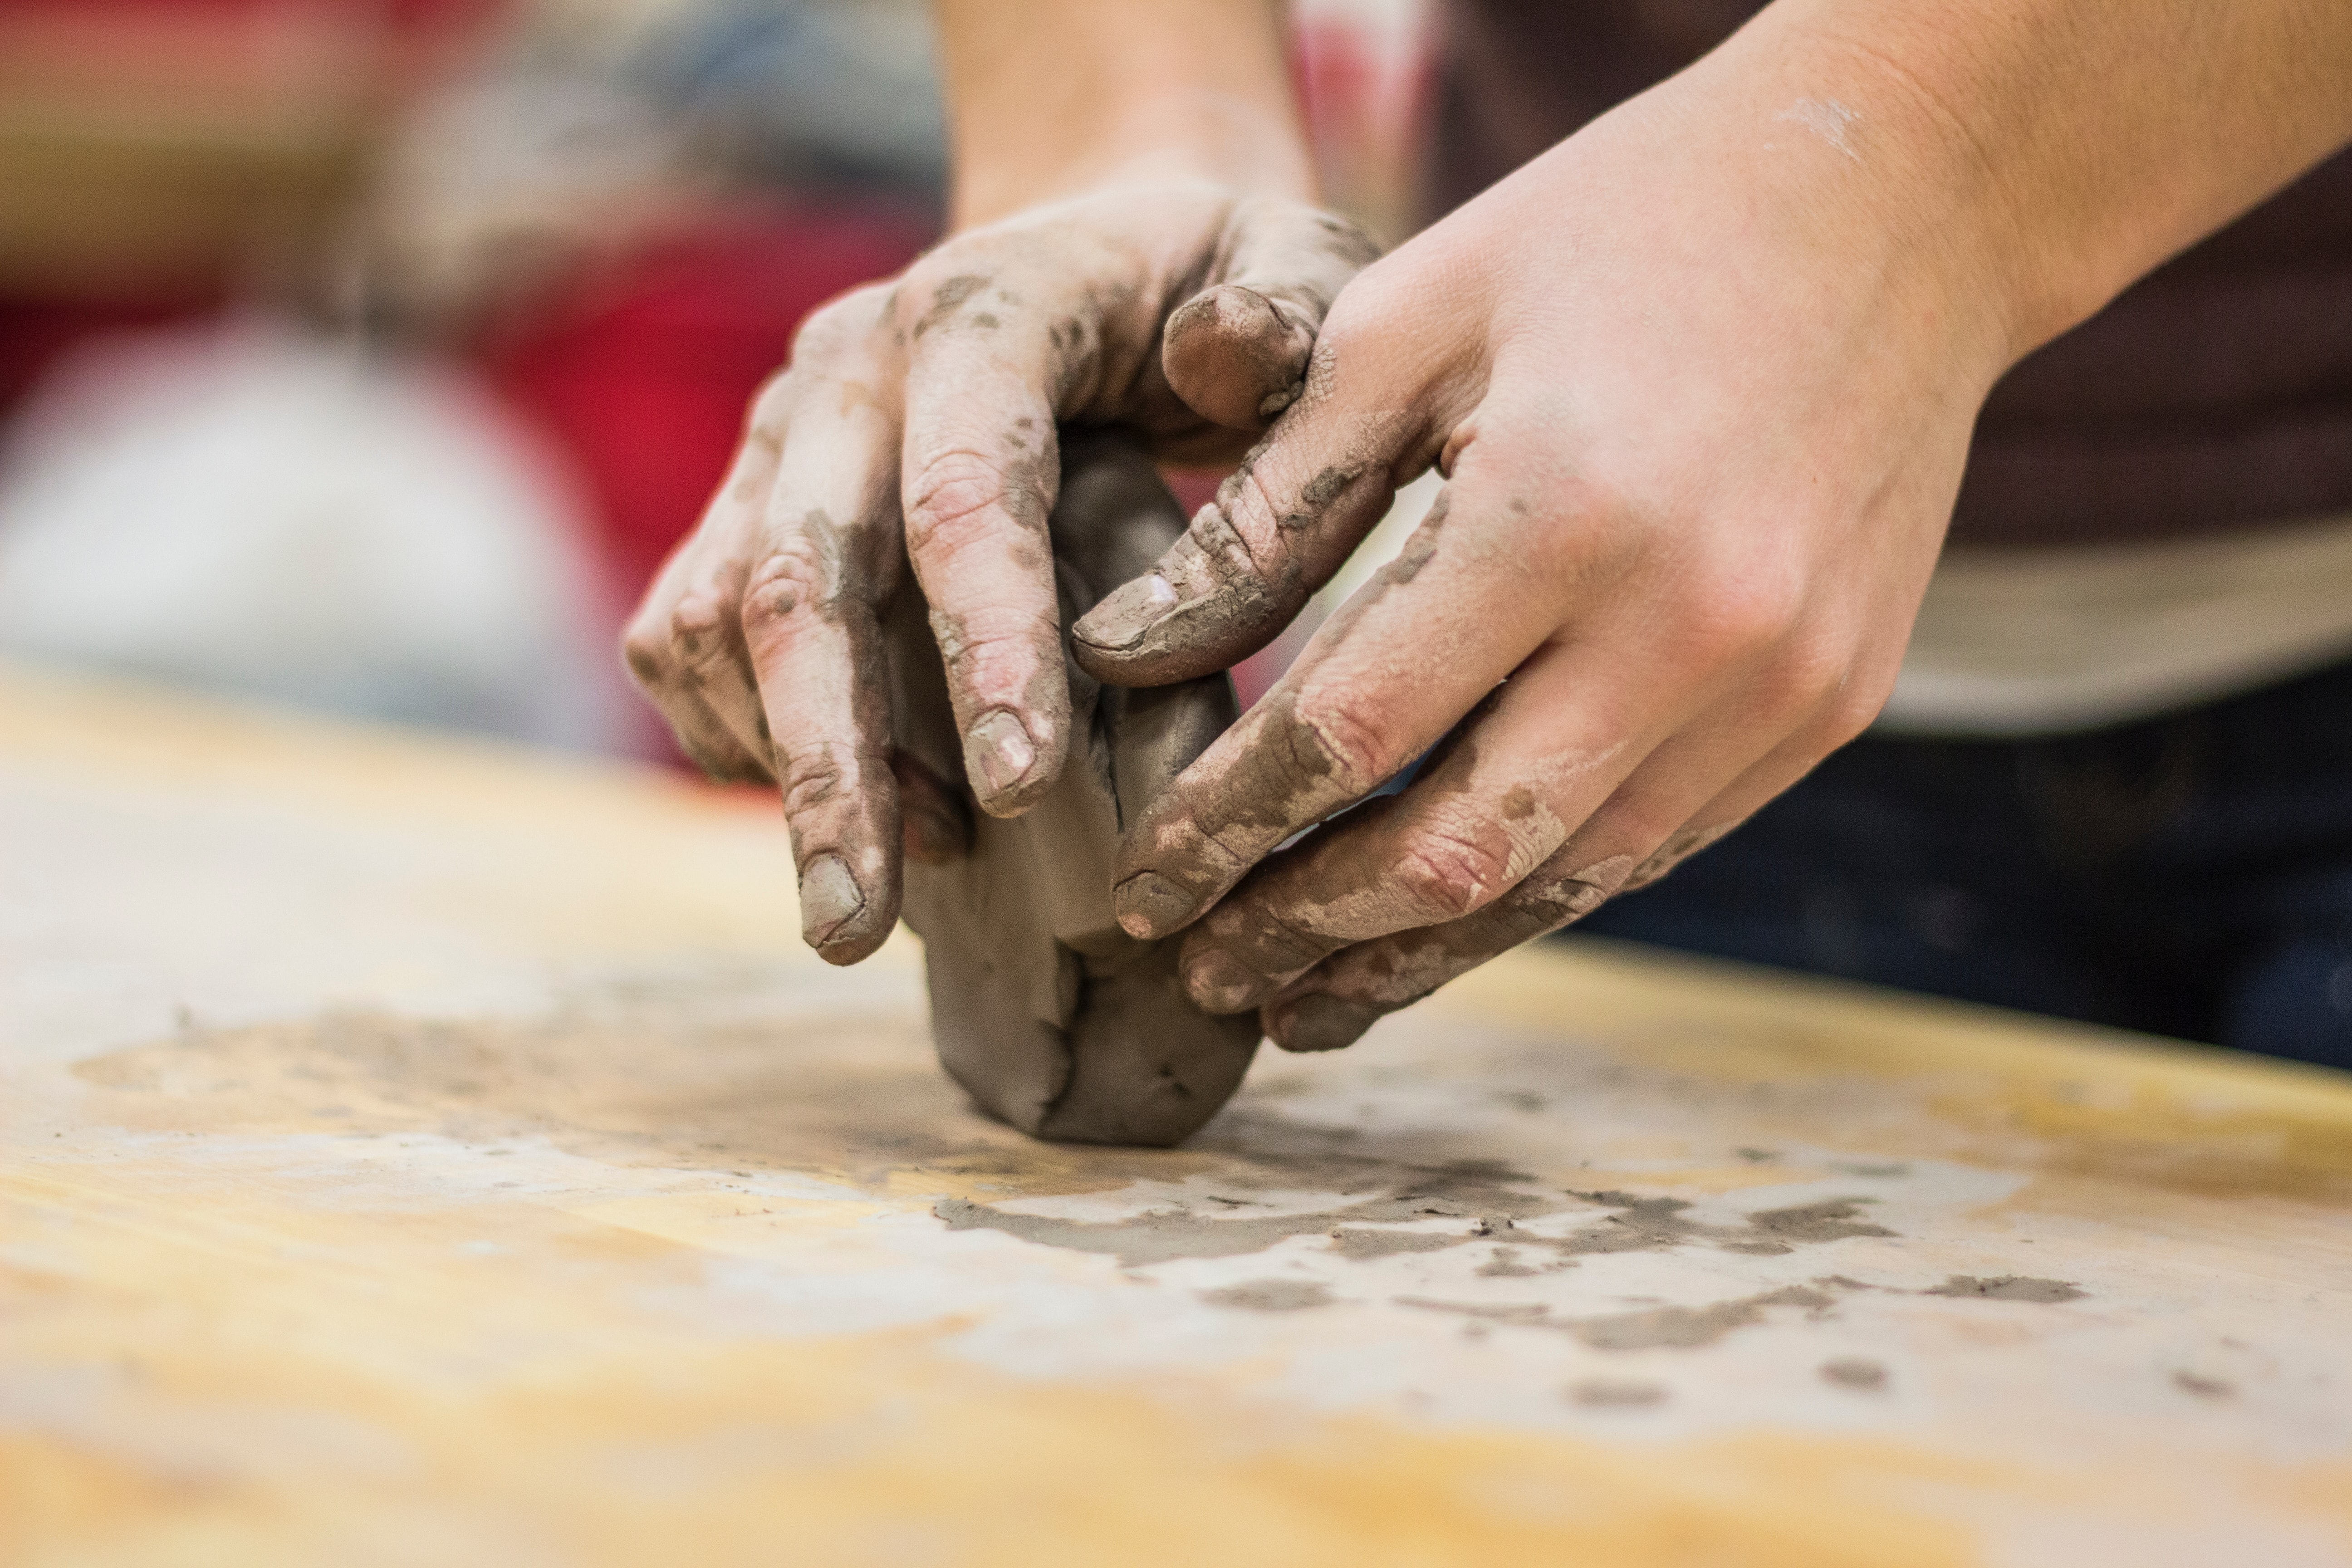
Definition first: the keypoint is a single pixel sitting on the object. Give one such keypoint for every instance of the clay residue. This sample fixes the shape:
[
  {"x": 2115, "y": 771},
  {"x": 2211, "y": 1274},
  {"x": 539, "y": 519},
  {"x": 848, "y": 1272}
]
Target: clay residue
[
  {"x": 1270, "y": 1296},
  {"x": 1854, "y": 1372},
  {"x": 1657, "y": 1224},
  {"x": 1651, "y": 1327},
  {"x": 1479, "y": 1207},
  {"x": 1615, "y": 1393},
  {"x": 632, "y": 1079},
  {"x": 1809, "y": 1223},
  {"x": 2008, "y": 1288},
  {"x": 1469, "y": 1201}
]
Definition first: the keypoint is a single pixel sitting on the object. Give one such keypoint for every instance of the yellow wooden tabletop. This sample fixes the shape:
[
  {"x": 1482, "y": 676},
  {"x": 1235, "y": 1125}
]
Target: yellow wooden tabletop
[{"x": 417, "y": 1153}]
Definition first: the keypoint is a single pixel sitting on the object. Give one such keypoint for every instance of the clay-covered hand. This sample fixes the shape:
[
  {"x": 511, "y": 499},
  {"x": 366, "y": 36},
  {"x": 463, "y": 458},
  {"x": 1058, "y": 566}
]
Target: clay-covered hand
[
  {"x": 1701, "y": 381},
  {"x": 917, "y": 422},
  {"x": 1052, "y": 1017}
]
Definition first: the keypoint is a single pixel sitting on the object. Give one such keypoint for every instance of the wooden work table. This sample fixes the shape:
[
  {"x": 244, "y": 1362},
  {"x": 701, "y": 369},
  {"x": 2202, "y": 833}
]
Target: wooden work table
[{"x": 418, "y": 1153}]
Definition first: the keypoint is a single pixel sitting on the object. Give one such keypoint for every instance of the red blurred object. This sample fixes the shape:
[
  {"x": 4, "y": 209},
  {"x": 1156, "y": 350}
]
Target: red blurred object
[{"x": 647, "y": 386}]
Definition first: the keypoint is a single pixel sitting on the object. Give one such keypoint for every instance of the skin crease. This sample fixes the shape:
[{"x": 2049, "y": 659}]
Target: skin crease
[{"x": 1701, "y": 379}]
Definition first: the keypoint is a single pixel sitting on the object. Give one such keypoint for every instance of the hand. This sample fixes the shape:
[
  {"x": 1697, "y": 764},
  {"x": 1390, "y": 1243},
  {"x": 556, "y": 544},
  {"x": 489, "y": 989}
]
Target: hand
[
  {"x": 934, "y": 399},
  {"x": 1701, "y": 381}
]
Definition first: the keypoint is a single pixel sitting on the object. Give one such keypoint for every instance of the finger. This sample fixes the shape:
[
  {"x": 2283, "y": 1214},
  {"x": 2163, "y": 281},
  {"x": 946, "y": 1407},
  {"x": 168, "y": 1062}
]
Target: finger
[
  {"x": 1236, "y": 352},
  {"x": 811, "y": 626},
  {"x": 645, "y": 649},
  {"x": 1334, "y": 1004},
  {"x": 979, "y": 468},
  {"x": 1380, "y": 683},
  {"x": 1624, "y": 845},
  {"x": 1285, "y": 521},
  {"x": 682, "y": 644},
  {"x": 1538, "y": 758}
]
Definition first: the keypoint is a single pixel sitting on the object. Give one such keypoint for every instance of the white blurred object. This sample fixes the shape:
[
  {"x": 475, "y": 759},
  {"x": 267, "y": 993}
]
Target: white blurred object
[{"x": 252, "y": 509}]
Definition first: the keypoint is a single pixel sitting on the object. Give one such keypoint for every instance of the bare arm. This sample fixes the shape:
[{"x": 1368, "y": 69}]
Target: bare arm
[
  {"x": 1047, "y": 98},
  {"x": 2078, "y": 145}
]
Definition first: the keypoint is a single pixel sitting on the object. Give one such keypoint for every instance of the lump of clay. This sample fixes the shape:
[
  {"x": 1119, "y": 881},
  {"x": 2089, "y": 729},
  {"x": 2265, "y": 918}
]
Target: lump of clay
[{"x": 1049, "y": 1015}]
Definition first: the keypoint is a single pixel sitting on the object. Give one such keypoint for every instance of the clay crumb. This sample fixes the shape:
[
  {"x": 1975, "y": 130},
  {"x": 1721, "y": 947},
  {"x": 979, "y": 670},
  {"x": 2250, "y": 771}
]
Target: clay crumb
[
  {"x": 1270, "y": 1296},
  {"x": 1505, "y": 1265},
  {"x": 2202, "y": 1386},
  {"x": 2008, "y": 1288},
  {"x": 1614, "y": 1394},
  {"x": 1854, "y": 1372}
]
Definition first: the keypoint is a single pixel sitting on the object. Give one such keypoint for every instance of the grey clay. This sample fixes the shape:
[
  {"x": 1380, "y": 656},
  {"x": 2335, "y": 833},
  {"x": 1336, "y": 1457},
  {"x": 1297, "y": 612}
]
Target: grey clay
[{"x": 1051, "y": 1017}]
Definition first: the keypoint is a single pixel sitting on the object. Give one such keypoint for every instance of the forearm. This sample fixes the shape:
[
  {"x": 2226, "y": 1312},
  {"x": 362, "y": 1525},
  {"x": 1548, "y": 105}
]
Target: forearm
[
  {"x": 2076, "y": 146},
  {"x": 1046, "y": 98}
]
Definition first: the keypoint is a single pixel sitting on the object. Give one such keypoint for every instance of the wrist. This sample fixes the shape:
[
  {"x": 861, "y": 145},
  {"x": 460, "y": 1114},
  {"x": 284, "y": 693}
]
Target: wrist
[{"x": 1171, "y": 135}]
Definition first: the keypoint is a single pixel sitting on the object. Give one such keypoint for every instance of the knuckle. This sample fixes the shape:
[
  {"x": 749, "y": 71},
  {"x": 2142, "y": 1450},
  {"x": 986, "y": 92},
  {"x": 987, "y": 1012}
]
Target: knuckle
[
  {"x": 839, "y": 325},
  {"x": 811, "y": 777},
  {"x": 1737, "y": 617},
  {"x": 765, "y": 415},
  {"x": 695, "y": 622},
  {"x": 1852, "y": 708},
  {"x": 793, "y": 579},
  {"x": 1794, "y": 683},
  {"x": 1449, "y": 875},
  {"x": 952, "y": 499},
  {"x": 1346, "y": 740},
  {"x": 645, "y": 652}
]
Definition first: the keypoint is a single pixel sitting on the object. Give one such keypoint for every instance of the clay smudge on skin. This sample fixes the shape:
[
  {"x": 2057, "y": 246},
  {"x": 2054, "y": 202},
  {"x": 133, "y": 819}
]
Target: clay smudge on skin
[
  {"x": 2009, "y": 1287},
  {"x": 949, "y": 298},
  {"x": 1674, "y": 852},
  {"x": 1226, "y": 600},
  {"x": 1270, "y": 1296},
  {"x": 1825, "y": 118}
]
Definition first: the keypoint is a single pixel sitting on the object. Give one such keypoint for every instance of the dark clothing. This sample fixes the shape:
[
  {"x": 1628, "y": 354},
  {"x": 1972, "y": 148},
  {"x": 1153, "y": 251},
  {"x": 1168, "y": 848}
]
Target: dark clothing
[
  {"x": 2215, "y": 393},
  {"x": 2190, "y": 875}
]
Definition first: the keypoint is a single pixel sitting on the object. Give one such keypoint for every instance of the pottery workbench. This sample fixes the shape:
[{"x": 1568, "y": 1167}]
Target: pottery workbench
[{"x": 413, "y": 1151}]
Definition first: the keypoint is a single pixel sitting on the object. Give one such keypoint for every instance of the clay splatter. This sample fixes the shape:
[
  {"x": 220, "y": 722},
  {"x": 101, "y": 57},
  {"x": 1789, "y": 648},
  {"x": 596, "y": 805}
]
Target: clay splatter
[
  {"x": 1854, "y": 1372},
  {"x": 2008, "y": 1288},
  {"x": 1654, "y": 1328},
  {"x": 1614, "y": 1394},
  {"x": 1270, "y": 1296},
  {"x": 1483, "y": 1206}
]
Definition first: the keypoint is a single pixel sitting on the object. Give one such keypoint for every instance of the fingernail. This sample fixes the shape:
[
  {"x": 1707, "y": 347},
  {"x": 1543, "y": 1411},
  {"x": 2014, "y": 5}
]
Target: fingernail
[
  {"x": 1148, "y": 905},
  {"x": 999, "y": 753},
  {"x": 1121, "y": 620},
  {"x": 1320, "y": 1021},
  {"x": 830, "y": 897},
  {"x": 1220, "y": 982}
]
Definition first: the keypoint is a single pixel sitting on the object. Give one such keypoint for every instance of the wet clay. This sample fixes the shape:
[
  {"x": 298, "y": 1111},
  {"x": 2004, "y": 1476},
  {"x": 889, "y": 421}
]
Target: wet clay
[
  {"x": 1048, "y": 1014},
  {"x": 1471, "y": 1212},
  {"x": 2008, "y": 1288}
]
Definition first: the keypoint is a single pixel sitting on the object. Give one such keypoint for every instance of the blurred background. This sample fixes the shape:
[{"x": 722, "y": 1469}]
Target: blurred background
[{"x": 371, "y": 355}]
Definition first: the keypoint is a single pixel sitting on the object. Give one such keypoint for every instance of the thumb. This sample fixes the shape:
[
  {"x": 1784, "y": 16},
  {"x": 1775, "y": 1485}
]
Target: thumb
[{"x": 1237, "y": 351}]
